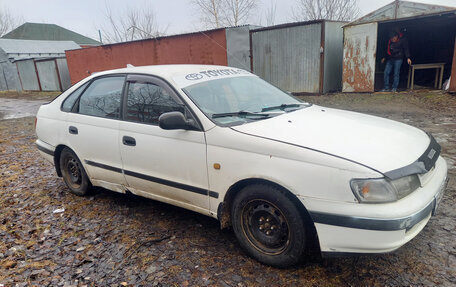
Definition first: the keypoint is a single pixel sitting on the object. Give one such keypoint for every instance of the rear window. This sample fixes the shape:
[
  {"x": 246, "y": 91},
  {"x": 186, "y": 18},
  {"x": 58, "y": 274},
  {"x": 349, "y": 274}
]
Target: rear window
[{"x": 68, "y": 104}]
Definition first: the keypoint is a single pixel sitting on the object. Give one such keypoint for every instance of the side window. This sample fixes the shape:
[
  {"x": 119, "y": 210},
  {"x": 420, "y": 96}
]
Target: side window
[
  {"x": 102, "y": 98},
  {"x": 68, "y": 103},
  {"x": 146, "y": 102}
]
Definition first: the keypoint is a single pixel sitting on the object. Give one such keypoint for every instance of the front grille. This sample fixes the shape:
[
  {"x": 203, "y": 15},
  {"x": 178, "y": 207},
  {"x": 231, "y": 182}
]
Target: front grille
[{"x": 430, "y": 156}]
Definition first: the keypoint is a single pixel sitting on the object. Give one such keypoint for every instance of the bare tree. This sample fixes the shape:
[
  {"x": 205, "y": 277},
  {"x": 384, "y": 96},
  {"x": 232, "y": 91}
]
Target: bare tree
[
  {"x": 270, "y": 13},
  {"x": 339, "y": 10},
  {"x": 8, "y": 21},
  {"x": 134, "y": 24},
  {"x": 219, "y": 13},
  {"x": 210, "y": 12},
  {"x": 237, "y": 12}
]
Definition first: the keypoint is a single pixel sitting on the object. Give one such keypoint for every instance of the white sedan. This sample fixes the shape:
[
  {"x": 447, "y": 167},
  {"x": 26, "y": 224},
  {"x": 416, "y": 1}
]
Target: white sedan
[{"x": 222, "y": 142}]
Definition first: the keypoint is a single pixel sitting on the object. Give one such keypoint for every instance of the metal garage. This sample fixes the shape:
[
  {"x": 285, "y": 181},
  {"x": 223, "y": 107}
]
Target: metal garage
[
  {"x": 223, "y": 46},
  {"x": 34, "y": 65},
  {"x": 430, "y": 31},
  {"x": 303, "y": 57}
]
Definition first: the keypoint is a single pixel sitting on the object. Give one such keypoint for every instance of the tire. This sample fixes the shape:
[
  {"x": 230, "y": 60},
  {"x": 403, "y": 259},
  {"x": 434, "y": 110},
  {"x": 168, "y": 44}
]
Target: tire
[
  {"x": 73, "y": 173},
  {"x": 268, "y": 225}
]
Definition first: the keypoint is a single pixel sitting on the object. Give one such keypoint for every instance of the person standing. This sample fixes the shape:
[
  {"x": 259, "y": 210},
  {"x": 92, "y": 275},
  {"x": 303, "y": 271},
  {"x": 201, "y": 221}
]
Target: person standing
[{"x": 397, "y": 49}]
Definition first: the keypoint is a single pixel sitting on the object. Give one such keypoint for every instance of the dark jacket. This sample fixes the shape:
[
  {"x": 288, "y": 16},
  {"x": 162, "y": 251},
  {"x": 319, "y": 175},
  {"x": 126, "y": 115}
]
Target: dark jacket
[{"x": 398, "y": 49}]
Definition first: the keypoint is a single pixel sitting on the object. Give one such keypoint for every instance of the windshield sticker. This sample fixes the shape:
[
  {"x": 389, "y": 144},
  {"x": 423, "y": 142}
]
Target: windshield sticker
[{"x": 193, "y": 78}]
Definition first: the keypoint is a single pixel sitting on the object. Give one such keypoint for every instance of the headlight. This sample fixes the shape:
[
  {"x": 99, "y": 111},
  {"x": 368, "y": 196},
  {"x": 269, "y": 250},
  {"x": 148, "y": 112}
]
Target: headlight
[
  {"x": 383, "y": 190},
  {"x": 406, "y": 185}
]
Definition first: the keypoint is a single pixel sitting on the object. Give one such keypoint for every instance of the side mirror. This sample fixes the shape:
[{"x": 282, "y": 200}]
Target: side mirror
[{"x": 175, "y": 121}]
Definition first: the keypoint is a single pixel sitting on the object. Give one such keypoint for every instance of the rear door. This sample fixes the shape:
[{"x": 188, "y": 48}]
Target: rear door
[
  {"x": 93, "y": 130},
  {"x": 168, "y": 165}
]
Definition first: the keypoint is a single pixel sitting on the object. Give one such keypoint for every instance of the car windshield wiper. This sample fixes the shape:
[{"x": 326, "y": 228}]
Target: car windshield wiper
[
  {"x": 241, "y": 114},
  {"x": 285, "y": 106}
]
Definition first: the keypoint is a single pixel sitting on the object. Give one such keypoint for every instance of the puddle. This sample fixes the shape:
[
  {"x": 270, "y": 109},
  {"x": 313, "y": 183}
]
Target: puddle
[{"x": 16, "y": 108}]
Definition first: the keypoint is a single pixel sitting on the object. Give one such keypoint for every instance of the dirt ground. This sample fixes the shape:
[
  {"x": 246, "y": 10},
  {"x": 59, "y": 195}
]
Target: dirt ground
[{"x": 50, "y": 237}]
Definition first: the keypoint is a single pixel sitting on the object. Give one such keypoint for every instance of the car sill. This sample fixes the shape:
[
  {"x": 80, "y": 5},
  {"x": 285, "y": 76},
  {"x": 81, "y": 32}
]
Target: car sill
[{"x": 155, "y": 179}]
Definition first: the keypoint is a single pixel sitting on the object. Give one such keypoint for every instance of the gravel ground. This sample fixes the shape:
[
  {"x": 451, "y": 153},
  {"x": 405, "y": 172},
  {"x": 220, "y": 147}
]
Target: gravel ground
[{"x": 50, "y": 237}]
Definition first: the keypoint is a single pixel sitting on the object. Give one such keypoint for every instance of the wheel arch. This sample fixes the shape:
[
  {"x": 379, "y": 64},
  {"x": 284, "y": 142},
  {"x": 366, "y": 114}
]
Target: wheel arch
[
  {"x": 224, "y": 208},
  {"x": 57, "y": 152}
]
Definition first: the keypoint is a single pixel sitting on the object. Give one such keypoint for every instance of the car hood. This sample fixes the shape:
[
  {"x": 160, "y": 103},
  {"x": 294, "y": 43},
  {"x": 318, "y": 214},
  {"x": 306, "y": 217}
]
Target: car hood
[{"x": 378, "y": 143}]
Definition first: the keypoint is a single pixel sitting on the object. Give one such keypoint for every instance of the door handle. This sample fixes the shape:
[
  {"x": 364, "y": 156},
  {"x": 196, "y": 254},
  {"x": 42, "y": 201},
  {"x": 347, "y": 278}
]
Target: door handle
[
  {"x": 73, "y": 130},
  {"x": 126, "y": 140}
]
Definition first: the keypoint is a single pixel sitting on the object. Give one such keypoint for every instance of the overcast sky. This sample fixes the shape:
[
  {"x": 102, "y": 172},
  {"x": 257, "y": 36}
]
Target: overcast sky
[{"x": 178, "y": 16}]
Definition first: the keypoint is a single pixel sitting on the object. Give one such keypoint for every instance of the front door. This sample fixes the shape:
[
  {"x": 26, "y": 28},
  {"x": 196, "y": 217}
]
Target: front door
[{"x": 167, "y": 165}]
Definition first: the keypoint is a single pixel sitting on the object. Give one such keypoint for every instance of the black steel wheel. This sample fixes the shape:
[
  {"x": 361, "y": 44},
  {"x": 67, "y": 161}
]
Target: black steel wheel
[
  {"x": 268, "y": 225},
  {"x": 73, "y": 173},
  {"x": 265, "y": 226}
]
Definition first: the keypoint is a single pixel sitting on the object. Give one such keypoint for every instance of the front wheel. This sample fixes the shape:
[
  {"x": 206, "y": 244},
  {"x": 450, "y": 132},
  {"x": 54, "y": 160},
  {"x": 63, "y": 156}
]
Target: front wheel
[
  {"x": 73, "y": 173},
  {"x": 268, "y": 225}
]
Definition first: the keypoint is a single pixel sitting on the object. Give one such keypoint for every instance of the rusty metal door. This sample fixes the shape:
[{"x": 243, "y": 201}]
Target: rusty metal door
[{"x": 360, "y": 48}]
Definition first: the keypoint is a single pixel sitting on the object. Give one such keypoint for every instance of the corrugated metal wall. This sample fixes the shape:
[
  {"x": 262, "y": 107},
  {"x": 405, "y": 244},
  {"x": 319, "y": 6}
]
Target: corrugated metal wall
[
  {"x": 360, "y": 48},
  {"x": 9, "y": 79},
  {"x": 289, "y": 57},
  {"x": 238, "y": 47},
  {"x": 64, "y": 74},
  {"x": 333, "y": 51},
  {"x": 27, "y": 73},
  {"x": 43, "y": 74},
  {"x": 208, "y": 47},
  {"x": 47, "y": 73}
]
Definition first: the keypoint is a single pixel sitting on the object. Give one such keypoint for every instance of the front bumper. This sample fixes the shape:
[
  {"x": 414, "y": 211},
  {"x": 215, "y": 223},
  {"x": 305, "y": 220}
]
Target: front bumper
[{"x": 377, "y": 228}]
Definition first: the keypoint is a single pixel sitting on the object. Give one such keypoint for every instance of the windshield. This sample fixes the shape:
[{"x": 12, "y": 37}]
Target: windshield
[{"x": 238, "y": 100}]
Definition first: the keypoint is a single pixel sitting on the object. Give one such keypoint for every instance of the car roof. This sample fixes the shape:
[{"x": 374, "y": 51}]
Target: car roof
[{"x": 165, "y": 71}]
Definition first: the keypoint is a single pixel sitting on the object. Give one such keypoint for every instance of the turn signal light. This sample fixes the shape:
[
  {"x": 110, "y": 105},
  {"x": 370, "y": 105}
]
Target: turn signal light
[{"x": 365, "y": 189}]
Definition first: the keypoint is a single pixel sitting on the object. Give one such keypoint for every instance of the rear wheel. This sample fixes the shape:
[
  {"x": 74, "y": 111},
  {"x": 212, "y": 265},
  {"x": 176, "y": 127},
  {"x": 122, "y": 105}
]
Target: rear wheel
[
  {"x": 73, "y": 173},
  {"x": 268, "y": 225}
]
